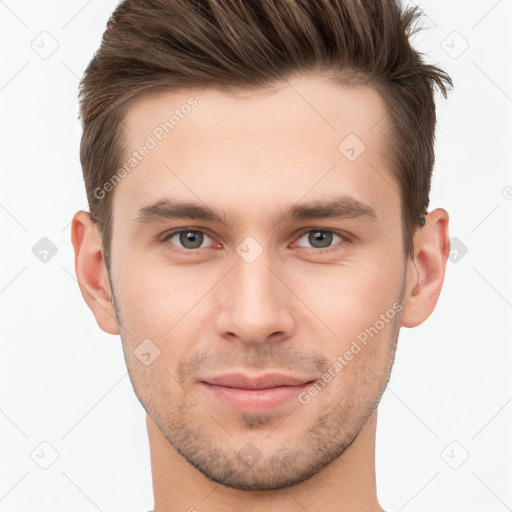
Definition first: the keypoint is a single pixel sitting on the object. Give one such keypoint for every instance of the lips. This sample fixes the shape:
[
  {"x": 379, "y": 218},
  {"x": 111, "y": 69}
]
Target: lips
[
  {"x": 267, "y": 381},
  {"x": 254, "y": 394}
]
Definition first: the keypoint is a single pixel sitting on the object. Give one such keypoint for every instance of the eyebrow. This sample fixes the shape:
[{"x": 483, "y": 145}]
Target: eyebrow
[{"x": 342, "y": 207}]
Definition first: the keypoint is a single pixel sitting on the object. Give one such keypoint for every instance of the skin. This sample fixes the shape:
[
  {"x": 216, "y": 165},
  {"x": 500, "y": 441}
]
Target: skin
[{"x": 293, "y": 310}]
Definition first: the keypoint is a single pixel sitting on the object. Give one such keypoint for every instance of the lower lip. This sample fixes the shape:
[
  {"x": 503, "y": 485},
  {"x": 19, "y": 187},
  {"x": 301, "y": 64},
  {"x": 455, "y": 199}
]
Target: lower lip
[{"x": 255, "y": 400}]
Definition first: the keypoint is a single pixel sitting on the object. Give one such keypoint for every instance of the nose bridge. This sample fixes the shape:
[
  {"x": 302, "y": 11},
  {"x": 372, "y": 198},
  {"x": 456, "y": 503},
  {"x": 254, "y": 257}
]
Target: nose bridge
[{"x": 258, "y": 303}]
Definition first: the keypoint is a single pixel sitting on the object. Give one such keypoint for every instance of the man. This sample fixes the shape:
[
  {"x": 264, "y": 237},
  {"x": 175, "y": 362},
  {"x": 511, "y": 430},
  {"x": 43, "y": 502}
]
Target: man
[{"x": 258, "y": 175}]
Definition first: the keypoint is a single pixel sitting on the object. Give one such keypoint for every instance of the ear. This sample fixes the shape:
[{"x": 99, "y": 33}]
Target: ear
[
  {"x": 91, "y": 271},
  {"x": 425, "y": 270}
]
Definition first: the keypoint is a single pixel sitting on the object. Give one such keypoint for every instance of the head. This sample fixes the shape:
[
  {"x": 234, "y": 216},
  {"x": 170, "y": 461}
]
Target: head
[{"x": 219, "y": 139}]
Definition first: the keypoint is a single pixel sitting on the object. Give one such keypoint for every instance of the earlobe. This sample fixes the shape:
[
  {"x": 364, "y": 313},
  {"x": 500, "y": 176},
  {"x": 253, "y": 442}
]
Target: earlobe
[
  {"x": 91, "y": 271},
  {"x": 427, "y": 268}
]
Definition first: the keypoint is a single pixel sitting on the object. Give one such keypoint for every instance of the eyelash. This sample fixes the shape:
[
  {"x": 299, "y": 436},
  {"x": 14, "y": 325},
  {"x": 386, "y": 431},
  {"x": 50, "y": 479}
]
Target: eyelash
[{"x": 345, "y": 239}]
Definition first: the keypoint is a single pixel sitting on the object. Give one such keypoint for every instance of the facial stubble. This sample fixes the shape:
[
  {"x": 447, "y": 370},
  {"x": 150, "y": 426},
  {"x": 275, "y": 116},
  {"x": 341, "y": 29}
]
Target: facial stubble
[{"x": 190, "y": 428}]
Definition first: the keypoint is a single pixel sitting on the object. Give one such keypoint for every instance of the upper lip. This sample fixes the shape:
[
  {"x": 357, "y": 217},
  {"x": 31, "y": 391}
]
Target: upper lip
[{"x": 270, "y": 380}]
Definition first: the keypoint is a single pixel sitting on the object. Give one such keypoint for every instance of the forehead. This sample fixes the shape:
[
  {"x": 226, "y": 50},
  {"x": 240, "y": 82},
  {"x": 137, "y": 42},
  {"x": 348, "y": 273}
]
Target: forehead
[
  {"x": 309, "y": 106},
  {"x": 306, "y": 136}
]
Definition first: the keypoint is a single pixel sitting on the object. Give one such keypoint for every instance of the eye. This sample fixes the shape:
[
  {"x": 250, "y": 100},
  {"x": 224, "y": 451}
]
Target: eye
[
  {"x": 188, "y": 239},
  {"x": 321, "y": 238}
]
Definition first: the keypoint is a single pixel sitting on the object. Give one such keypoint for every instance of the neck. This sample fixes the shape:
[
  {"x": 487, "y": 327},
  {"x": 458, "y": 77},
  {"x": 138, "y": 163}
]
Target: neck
[{"x": 345, "y": 485}]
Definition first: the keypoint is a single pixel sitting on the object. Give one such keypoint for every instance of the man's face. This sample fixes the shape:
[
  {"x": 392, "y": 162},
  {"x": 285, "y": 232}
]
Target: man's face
[{"x": 259, "y": 294}]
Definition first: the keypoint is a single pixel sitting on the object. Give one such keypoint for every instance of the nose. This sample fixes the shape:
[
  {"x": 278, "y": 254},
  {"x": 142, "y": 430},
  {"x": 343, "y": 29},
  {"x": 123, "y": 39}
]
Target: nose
[{"x": 257, "y": 302}]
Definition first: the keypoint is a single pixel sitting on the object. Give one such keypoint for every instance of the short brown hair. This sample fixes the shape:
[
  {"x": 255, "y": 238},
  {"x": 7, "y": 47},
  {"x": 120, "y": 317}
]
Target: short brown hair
[{"x": 169, "y": 45}]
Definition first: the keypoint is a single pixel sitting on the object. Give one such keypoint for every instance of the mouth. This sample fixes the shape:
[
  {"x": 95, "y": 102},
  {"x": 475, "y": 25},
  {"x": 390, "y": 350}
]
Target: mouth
[{"x": 255, "y": 394}]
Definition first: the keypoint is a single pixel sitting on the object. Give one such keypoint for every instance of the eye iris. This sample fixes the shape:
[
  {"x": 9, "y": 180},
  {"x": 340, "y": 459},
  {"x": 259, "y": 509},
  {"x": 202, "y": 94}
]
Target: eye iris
[
  {"x": 320, "y": 236},
  {"x": 195, "y": 237}
]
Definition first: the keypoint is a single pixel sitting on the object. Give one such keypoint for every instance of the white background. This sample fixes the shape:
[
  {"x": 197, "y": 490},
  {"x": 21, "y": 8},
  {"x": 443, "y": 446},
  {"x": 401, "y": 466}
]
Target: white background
[{"x": 63, "y": 381}]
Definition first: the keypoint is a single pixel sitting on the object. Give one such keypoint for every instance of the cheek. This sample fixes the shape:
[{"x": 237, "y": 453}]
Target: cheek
[
  {"x": 359, "y": 305},
  {"x": 151, "y": 295},
  {"x": 164, "y": 304},
  {"x": 351, "y": 296}
]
